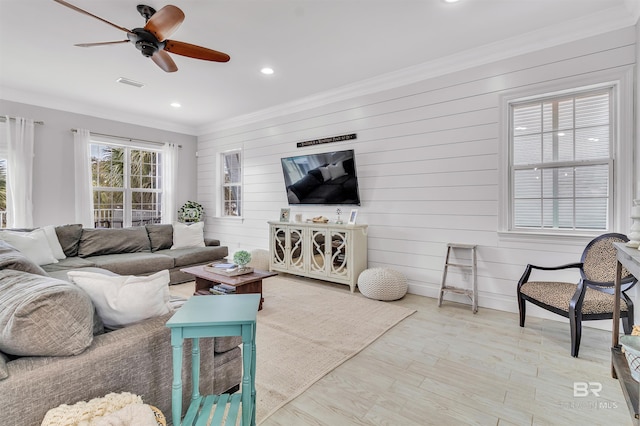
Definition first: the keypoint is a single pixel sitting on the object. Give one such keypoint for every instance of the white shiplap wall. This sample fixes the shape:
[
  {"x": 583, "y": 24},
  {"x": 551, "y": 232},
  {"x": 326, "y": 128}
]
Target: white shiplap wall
[{"x": 428, "y": 167}]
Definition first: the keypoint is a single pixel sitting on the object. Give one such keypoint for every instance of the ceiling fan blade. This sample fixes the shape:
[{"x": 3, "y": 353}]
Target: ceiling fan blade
[
  {"x": 164, "y": 22},
  {"x": 103, "y": 43},
  {"x": 193, "y": 51},
  {"x": 164, "y": 61},
  {"x": 77, "y": 9}
]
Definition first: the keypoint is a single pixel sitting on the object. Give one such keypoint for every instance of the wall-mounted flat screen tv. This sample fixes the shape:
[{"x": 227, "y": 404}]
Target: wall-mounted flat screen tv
[{"x": 327, "y": 178}]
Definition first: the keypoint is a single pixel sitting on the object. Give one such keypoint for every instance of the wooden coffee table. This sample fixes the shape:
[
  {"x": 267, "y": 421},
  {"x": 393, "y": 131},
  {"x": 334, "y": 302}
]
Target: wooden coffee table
[{"x": 246, "y": 283}]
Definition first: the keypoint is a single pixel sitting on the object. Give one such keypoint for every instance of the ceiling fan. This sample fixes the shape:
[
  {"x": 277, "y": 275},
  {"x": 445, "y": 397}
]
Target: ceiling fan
[{"x": 152, "y": 41}]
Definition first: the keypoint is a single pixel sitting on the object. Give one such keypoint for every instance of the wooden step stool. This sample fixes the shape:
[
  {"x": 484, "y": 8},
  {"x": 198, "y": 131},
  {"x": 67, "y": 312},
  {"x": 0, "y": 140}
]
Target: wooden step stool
[{"x": 471, "y": 293}]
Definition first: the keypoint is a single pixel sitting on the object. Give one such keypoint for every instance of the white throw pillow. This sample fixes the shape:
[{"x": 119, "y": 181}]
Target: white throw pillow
[
  {"x": 188, "y": 235},
  {"x": 121, "y": 300},
  {"x": 336, "y": 170},
  {"x": 34, "y": 245},
  {"x": 54, "y": 243},
  {"x": 326, "y": 175}
]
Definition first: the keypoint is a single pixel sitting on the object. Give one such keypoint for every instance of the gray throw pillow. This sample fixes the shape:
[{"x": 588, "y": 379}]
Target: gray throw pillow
[
  {"x": 69, "y": 238},
  {"x": 161, "y": 236},
  {"x": 42, "y": 316},
  {"x": 96, "y": 242}
]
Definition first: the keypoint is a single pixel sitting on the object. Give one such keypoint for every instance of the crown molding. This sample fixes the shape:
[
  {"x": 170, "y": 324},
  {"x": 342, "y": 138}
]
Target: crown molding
[
  {"x": 580, "y": 28},
  {"x": 69, "y": 105}
]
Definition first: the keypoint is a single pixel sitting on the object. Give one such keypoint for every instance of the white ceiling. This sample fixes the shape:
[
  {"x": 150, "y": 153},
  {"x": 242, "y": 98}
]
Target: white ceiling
[{"x": 315, "y": 47}]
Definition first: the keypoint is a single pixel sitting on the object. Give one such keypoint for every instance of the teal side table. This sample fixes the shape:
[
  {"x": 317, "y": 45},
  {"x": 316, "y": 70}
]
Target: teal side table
[{"x": 213, "y": 316}]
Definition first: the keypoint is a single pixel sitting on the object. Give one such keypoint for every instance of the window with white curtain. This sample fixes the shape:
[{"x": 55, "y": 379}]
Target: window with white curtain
[
  {"x": 127, "y": 184},
  {"x": 231, "y": 187},
  {"x": 3, "y": 174},
  {"x": 562, "y": 161}
]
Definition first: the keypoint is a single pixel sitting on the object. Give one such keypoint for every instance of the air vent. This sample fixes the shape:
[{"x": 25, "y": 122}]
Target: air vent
[{"x": 130, "y": 82}]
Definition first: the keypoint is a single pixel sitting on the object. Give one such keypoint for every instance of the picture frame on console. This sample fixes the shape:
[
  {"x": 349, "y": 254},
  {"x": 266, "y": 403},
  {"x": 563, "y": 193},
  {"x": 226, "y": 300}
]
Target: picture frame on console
[
  {"x": 352, "y": 216},
  {"x": 285, "y": 214}
]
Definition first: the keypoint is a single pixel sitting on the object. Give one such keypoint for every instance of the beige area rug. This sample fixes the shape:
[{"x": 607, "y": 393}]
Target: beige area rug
[{"x": 305, "y": 330}]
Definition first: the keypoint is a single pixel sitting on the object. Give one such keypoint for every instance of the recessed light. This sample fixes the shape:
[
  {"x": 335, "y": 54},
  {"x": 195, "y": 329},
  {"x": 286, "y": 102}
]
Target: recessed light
[
  {"x": 450, "y": 1},
  {"x": 176, "y": 104},
  {"x": 266, "y": 71}
]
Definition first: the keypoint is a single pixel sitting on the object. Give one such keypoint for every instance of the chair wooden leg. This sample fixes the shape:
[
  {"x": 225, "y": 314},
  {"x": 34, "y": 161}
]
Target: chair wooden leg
[
  {"x": 522, "y": 309},
  {"x": 627, "y": 325},
  {"x": 575, "y": 321}
]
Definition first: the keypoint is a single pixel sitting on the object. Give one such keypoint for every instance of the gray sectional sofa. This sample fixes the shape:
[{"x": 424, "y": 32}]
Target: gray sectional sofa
[
  {"x": 54, "y": 349},
  {"x": 139, "y": 250}
]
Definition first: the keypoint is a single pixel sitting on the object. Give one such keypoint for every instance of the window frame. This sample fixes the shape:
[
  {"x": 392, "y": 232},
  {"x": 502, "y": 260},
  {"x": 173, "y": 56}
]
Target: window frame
[
  {"x": 222, "y": 185},
  {"x": 127, "y": 190},
  {"x": 4, "y": 156},
  {"x": 621, "y": 156}
]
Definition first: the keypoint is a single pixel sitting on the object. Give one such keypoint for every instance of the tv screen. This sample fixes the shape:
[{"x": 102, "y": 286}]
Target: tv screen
[{"x": 326, "y": 178}]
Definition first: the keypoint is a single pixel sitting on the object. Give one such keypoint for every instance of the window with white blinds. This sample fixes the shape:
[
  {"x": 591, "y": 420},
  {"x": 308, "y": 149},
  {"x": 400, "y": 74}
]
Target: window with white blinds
[{"x": 561, "y": 162}]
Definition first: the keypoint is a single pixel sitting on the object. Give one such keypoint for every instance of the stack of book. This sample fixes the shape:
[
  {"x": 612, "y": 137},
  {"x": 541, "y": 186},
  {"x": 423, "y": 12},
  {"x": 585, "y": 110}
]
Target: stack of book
[{"x": 222, "y": 289}]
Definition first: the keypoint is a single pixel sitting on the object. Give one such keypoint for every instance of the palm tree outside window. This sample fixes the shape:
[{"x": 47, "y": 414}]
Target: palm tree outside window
[{"x": 127, "y": 185}]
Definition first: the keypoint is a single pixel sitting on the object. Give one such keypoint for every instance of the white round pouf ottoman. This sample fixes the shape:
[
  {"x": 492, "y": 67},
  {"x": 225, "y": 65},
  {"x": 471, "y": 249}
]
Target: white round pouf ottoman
[
  {"x": 382, "y": 284},
  {"x": 259, "y": 259}
]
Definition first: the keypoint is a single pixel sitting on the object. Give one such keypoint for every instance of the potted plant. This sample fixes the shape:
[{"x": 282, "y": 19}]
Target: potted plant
[
  {"x": 242, "y": 258},
  {"x": 190, "y": 212}
]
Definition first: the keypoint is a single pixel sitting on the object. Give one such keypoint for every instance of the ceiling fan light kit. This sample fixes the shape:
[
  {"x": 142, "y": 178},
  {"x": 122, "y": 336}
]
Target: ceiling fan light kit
[{"x": 152, "y": 40}]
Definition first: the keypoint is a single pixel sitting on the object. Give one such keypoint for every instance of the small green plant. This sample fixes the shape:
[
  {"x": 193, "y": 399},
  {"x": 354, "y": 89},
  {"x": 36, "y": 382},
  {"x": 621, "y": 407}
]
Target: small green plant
[{"x": 241, "y": 258}]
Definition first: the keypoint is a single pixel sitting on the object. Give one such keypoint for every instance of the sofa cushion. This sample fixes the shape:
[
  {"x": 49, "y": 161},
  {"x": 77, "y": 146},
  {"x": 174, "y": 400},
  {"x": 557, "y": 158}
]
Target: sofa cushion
[
  {"x": 69, "y": 238},
  {"x": 211, "y": 241},
  {"x": 110, "y": 241},
  {"x": 68, "y": 263},
  {"x": 10, "y": 258},
  {"x": 133, "y": 263},
  {"x": 160, "y": 236},
  {"x": 34, "y": 245},
  {"x": 42, "y": 316},
  {"x": 194, "y": 255},
  {"x": 125, "y": 300}
]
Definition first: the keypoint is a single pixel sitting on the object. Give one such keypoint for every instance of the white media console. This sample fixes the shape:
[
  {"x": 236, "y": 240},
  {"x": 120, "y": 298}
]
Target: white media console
[{"x": 326, "y": 251}]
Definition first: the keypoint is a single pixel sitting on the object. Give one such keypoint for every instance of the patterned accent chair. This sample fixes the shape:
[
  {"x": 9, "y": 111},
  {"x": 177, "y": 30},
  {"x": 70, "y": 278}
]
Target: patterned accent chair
[{"x": 591, "y": 298}]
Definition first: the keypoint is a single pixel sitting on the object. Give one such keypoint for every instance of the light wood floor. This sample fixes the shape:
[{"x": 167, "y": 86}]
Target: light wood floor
[{"x": 446, "y": 366}]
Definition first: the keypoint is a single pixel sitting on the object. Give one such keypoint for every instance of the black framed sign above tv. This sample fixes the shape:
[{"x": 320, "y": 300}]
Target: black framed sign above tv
[
  {"x": 328, "y": 178},
  {"x": 332, "y": 139}
]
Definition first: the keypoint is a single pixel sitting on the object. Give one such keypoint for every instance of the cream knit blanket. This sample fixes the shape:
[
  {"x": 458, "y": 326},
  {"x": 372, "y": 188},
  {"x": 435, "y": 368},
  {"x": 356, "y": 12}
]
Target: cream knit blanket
[{"x": 114, "y": 409}]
